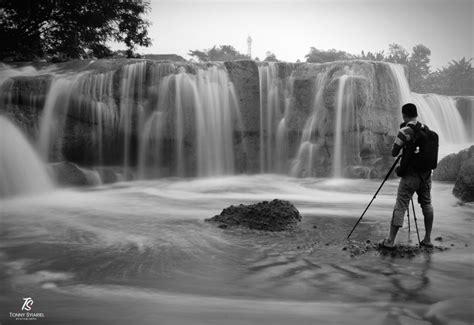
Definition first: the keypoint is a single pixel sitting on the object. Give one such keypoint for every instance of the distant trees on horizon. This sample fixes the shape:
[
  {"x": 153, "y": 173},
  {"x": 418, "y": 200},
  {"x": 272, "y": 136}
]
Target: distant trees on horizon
[{"x": 457, "y": 78}]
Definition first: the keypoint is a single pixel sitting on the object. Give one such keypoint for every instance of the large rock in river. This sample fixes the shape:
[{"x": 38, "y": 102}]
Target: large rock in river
[
  {"x": 464, "y": 186},
  {"x": 69, "y": 174},
  {"x": 276, "y": 215},
  {"x": 450, "y": 166}
]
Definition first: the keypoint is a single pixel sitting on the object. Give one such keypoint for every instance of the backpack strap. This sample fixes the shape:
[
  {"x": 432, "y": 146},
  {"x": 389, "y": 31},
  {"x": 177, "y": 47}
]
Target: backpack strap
[{"x": 416, "y": 129}]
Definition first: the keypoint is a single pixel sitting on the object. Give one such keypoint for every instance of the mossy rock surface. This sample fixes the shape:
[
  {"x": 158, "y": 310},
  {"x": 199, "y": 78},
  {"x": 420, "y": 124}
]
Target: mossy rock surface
[{"x": 276, "y": 215}]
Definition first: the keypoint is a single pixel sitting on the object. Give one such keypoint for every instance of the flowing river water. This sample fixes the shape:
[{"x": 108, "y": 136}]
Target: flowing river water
[{"x": 140, "y": 252}]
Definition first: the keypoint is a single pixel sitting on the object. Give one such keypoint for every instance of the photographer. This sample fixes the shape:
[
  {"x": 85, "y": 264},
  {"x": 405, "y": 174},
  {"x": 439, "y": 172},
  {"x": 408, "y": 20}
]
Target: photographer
[{"x": 419, "y": 157}]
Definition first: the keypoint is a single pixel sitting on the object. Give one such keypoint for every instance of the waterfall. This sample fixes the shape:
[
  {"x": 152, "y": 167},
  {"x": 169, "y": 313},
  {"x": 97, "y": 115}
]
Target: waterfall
[
  {"x": 437, "y": 111},
  {"x": 208, "y": 96},
  {"x": 95, "y": 102},
  {"x": 275, "y": 105},
  {"x": 21, "y": 169},
  {"x": 200, "y": 111},
  {"x": 310, "y": 143},
  {"x": 340, "y": 105},
  {"x": 149, "y": 159},
  {"x": 155, "y": 119},
  {"x": 131, "y": 105},
  {"x": 54, "y": 114}
]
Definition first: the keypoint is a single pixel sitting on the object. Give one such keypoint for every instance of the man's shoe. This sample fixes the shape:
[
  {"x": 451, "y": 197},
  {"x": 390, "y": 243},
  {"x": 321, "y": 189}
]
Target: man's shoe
[
  {"x": 425, "y": 243},
  {"x": 386, "y": 244}
]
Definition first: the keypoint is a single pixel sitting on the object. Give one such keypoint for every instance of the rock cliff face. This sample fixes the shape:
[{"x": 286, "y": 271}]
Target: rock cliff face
[
  {"x": 186, "y": 119},
  {"x": 22, "y": 100},
  {"x": 465, "y": 105},
  {"x": 244, "y": 75},
  {"x": 369, "y": 113},
  {"x": 464, "y": 186},
  {"x": 449, "y": 167}
]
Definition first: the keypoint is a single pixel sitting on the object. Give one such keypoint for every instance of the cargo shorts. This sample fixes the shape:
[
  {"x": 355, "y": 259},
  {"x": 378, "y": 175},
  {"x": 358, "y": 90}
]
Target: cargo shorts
[{"x": 409, "y": 184}]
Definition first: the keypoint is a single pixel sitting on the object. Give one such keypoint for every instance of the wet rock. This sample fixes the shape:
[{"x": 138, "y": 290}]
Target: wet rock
[
  {"x": 113, "y": 174},
  {"x": 69, "y": 174},
  {"x": 464, "y": 186},
  {"x": 399, "y": 251},
  {"x": 449, "y": 167},
  {"x": 276, "y": 215},
  {"x": 357, "y": 172},
  {"x": 244, "y": 76},
  {"x": 465, "y": 106}
]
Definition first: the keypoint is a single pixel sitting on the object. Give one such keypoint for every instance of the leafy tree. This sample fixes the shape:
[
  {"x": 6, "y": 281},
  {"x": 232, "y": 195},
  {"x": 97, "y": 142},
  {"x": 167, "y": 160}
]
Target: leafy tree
[
  {"x": 270, "y": 57},
  {"x": 397, "y": 54},
  {"x": 201, "y": 56},
  {"x": 221, "y": 53},
  {"x": 320, "y": 56},
  {"x": 455, "y": 79},
  {"x": 30, "y": 28},
  {"x": 376, "y": 56},
  {"x": 419, "y": 68}
]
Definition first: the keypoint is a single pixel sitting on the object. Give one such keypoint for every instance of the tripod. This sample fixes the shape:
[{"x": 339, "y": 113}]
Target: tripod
[
  {"x": 414, "y": 217},
  {"x": 375, "y": 195}
]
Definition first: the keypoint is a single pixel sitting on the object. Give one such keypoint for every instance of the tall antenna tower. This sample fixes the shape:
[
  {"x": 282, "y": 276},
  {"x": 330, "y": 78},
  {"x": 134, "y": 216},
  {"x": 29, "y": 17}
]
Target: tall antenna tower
[{"x": 249, "y": 47}]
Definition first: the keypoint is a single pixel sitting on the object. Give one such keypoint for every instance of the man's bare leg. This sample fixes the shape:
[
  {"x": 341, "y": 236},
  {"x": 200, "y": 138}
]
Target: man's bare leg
[
  {"x": 428, "y": 219},
  {"x": 392, "y": 235}
]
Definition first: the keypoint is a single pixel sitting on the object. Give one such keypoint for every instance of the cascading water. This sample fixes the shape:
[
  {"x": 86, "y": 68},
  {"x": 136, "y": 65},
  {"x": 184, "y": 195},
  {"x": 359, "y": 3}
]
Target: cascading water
[
  {"x": 54, "y": 113},
  {"x": 207, "y": 98},
  {"x": 304, "y": 161},
  {"x": 95, "y": 101},
  {"x": 437, "y": 111},
  {"x": 21, "y": 169},
  {"x": 275, "y": 104},
  {"x": 171, "y": 119},
  {"x": 216, "y": 113},
  {"x": 149, "y": 159},
  {"x": 194, "y": 112},
  {"x": 340, "y": 103},
  {"x": 131, "y": 105}
]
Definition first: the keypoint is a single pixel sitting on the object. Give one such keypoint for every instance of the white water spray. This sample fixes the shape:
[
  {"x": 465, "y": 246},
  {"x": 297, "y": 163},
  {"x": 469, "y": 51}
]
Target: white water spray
[{"x": 21, "y": 169}]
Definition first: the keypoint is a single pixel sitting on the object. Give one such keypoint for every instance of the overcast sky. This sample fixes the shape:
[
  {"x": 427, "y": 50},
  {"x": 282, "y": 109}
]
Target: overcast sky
[{"x": 290, "y": 28}]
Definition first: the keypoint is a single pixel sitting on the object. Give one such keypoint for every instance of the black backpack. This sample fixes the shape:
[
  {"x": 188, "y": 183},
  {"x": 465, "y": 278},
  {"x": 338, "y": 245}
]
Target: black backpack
[{"x": 422, "y": 152}]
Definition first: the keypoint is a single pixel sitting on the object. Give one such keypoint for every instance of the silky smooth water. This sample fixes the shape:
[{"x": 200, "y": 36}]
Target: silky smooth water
[
  {"x": 140, "y": 252},
  {"x": 21, "y": 170}
]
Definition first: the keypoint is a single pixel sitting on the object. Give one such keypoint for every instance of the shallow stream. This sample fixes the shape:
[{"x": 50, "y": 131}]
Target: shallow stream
[{"x": 140, "y": 252}]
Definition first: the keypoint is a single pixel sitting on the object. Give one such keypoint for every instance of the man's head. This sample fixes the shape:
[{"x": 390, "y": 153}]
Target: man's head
[{"x": 409, "y": 112}]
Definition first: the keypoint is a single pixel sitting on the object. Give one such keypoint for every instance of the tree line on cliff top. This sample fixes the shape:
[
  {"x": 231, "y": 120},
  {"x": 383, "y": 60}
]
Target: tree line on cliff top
[
  {"x": 457, "y": 78},
  {"x": 32, "y": 29}
]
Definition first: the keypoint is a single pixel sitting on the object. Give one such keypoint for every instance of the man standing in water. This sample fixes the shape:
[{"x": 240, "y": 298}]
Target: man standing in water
[{"x": 415, "y": 173}]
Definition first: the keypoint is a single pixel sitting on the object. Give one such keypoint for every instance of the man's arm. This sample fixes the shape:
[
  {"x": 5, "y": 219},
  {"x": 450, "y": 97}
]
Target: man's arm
[
  {"x": 396, "y": 149},
  {"x": 404, "y": 135}
]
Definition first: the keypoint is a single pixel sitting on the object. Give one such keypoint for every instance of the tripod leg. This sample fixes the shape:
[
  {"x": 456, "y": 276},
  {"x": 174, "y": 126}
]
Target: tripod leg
[
  {"x": 416, "y": 224},
  {"x": 409, "y": 228},
  {"x": 375, "y": 195}
]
